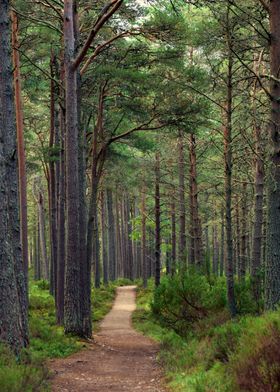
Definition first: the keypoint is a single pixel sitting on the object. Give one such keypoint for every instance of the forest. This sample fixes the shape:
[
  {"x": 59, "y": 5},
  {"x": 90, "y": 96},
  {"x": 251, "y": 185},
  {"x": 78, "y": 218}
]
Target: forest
[{"x": 140, "y": 182}]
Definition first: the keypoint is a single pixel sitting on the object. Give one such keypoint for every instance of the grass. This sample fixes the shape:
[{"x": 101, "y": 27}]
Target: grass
[
  {"x": 216, "y": 354},
  {"x": 47, "y": 340}
]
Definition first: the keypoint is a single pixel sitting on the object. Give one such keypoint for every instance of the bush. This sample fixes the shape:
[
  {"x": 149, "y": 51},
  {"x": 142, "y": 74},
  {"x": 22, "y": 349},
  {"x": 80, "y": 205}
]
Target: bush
[
  {"x": 185, "y": 299},
  {"x": 43, "y": 284},
  {"x": 21, "y": 375},
  {"x": 261, "y": 371},
  {"x": 245, "y": 301},
  {"x": 224, "y": 340}
]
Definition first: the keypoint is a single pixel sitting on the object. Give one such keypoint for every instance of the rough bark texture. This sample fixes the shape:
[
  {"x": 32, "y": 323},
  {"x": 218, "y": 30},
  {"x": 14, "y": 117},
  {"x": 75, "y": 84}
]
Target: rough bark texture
[
  {"x": 20, "y": 145},
  {"x": 173, "y": 236},
  {"x": 111, "y": 236},
  {"x": 196, "y": 248},
  {"x": 157, "y": 221},
  {"x": 222, "y": 258},
  {"x": 182, "y": 208},
  {"x": 72, "y": 306},
  {"x": 104, "y": 238},
  {"x": 61, "y": 217},
  {"x": 272, "y": 292},
  {"x": 143, "y": 237},
  {"x": 130, "y": 271},
  {"x": 54, "y": 115},
  {"x": 228, "y": 176},
  {"x": 258, "y": 217},
  {"x": 243, "y": 242},
  {"x": 42, "y": 235},
  {"x": 13, "y": 295}
]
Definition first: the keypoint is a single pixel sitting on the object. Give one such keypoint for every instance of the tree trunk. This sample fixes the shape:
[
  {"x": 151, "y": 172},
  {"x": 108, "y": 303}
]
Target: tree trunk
[
  {"x": 272, "y": 286},
  {"x": 173, "y": 236},
  {"x": 143, "y": 237},
  {"x": 182, "y": 208},
  {"x": 111, "y": 235},
  {"x": 13, "y": 293},
  {"x": 104, "y": 239},
  {"x": 215, "y": 251},
  {"x": 157, "y": 220},
  {"x": 36, "y": 252},
  {"x": 228, "y": 176},
  {"x": 119, "y": 237},
  {"x": 61, "y": 216},
  {"x": 243, "y": 244},
  {"x": 222, "y": 258},
  {"x": 72, "y": 306},
  {"x": 54, "y": 115},
  {"x": 258, "y": 217},
  {"x": 196, "y": 248},
  {"x": 42, "y": 233},
  {"x": 20, "y": 145},
  {"x": 129, "y": 239}
]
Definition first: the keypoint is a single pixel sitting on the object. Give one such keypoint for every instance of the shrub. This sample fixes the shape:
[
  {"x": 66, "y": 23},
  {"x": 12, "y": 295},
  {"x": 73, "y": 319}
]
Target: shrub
[
  {"x": 21, "y": 375},
  {"x": 245, "y": 301},
  {"x": 184, "y": 299},
  {"x": 256, "y": 364},
  {"x": 43, "y": 284},
  {"x": 224, "y": 340}
]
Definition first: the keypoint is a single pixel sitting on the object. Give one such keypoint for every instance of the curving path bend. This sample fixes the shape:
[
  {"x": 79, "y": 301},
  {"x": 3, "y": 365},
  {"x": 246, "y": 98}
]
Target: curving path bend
[{"x": 120, "y": 359}]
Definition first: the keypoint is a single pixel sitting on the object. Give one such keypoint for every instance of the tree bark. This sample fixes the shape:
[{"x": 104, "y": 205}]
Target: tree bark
[
  {"x": 173, "y": 236},
  {"x": 61, "y": 217},
  {"x": 54, "y": 115},
  {"x": 143, "y": 237},
  {"x": 72, "y": 306},
  {"x": 20, "y": 145},
  {"x": 243, "y": 245},
  {"x": 272, "y": 286},
  {"x": 104, "y": 238},
  {"x": 111, "y": 235},
  {"x": 157, "y": 221},
  {"x": 222, "y": 258},
  {"x": 228, "y": 174},
  {"x": 182, "y": 208},
  {"x": 258, "y": 217},
  {"x": 13, "y": 293},
  {"x": 196, "y": 248},
  {"x": 42, "y": 234}
]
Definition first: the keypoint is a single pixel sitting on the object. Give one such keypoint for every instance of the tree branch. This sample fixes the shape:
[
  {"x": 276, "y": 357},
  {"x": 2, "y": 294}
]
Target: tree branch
[
  {"x": 264, "y": 4},
  {"x": 105, "y": 15},
  {"x": 100, "y": 49}
]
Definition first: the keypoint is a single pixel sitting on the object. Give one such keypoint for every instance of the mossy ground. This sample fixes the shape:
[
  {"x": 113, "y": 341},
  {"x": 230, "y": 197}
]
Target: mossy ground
[
  {"x": 28, "y": 373},
  {"x": 216, "y": 354}
]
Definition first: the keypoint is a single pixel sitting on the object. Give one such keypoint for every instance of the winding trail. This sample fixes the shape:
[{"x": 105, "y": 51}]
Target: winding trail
[{"x": 119, "y": 359}]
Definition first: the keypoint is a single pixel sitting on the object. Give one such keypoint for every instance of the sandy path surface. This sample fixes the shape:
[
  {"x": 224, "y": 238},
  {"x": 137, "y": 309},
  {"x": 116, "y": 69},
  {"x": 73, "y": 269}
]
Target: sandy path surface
[{"x": 120, "y": 359}]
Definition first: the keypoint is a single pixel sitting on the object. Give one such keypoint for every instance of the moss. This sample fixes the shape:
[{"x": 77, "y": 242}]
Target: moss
[
  {"x": 47, "y": 340},
  {"x": 216, "y": 354}
]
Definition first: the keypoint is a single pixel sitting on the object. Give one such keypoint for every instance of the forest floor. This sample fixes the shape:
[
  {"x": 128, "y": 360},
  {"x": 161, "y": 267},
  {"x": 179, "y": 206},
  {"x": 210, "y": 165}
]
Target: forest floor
[{"x": 119, "y": 358}]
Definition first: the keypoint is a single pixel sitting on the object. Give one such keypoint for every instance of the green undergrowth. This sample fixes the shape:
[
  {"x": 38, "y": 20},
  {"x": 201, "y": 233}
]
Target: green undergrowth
[
  {"x": 28, "y": 372},
  {"x": 215, "y": 354}
]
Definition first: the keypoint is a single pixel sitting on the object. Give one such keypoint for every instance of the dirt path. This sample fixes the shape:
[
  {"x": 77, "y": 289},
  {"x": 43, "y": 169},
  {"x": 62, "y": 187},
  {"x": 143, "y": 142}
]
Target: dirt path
[{"x": 119, "y": 360}]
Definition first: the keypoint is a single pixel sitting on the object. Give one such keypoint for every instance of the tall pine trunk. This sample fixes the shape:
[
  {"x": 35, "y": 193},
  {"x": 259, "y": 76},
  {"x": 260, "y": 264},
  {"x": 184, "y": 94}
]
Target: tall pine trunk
[
  {"x": 111, "y": 235},
  {"x": 272, "y": 287},
  {"x": 196, "y": 247},
  {"x": 143, "y": 236},
  {"x": 157, "y": 221},
  {"x": 182, "y": 208},
  {"x": 72, "y": 305},
  {"x": 228, "y": 174},
  {"x": 13, "y": 293},
  {"x": 20, "y": 145},
  {"x": 258, "y": 217}
]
